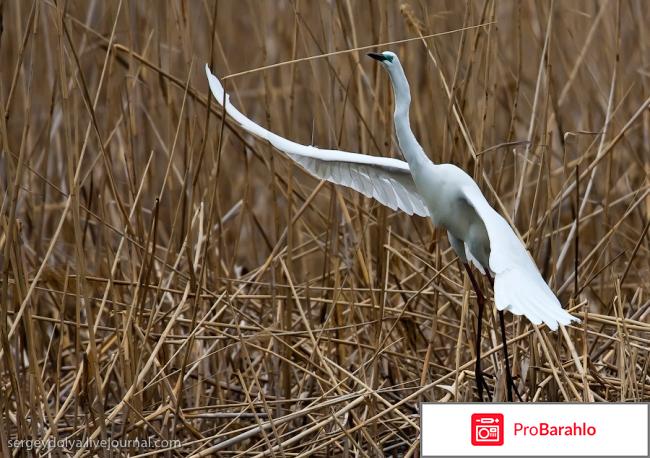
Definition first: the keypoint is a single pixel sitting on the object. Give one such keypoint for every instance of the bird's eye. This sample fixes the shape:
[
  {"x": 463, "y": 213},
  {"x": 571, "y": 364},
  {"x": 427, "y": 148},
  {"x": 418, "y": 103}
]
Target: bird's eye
[{"x": 388, "y": 57}]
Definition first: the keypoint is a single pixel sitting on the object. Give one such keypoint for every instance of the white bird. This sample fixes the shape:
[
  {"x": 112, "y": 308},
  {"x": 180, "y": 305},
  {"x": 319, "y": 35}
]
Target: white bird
[{"x": 445, "y": 193}]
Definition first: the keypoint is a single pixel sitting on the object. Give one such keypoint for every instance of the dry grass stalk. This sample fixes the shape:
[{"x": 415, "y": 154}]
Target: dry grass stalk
[{"x": 166, "y": 276}]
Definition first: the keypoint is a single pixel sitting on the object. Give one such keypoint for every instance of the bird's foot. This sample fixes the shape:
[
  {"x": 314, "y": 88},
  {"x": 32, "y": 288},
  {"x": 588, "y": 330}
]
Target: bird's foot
[
  {"x": 480, "y": 384},
  {"x": 512, "y": 387}
]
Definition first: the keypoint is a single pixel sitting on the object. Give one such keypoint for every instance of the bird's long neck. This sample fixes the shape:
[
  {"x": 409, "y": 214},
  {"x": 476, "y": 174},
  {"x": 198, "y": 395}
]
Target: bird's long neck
[{"x": 411, "y": 149}]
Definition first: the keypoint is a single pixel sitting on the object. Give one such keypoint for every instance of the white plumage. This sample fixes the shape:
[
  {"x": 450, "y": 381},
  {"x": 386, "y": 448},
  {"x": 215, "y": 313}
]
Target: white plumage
[
  {"x": 386, "y": 180},
  {"x": 518, "y": 285},
  {"x": 443, "y": 192}
]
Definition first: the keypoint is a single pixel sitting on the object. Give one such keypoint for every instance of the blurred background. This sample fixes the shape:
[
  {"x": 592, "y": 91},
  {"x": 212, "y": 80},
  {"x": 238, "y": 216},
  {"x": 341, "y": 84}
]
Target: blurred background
[{"x": 166, "y": 275}]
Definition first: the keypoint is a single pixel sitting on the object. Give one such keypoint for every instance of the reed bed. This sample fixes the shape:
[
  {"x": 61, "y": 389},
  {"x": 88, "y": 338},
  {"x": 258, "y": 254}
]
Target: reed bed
[{"x": 167, "y": 276}]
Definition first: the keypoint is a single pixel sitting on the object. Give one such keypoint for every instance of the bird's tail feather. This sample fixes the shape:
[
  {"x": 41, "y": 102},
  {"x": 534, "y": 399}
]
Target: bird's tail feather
[{"x": 524, "y": 292}]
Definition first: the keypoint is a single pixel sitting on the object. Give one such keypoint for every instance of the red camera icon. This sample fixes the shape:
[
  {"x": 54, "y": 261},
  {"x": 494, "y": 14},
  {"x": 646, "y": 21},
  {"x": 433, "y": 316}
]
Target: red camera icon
[{"x": 487, "y": 429}]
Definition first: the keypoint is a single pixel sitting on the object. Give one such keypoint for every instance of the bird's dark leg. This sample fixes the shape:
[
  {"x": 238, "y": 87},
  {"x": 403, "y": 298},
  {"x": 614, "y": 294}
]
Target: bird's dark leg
[
  {"x": 509, "y": 381},
  {"x": 480, "y": 380}
]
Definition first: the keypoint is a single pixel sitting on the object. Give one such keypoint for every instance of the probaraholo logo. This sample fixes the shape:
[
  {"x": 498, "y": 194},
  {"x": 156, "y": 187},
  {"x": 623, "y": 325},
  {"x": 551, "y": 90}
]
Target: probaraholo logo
[
  {"x": 544, "y": 429},
  {"x": 487, "y": 429}
]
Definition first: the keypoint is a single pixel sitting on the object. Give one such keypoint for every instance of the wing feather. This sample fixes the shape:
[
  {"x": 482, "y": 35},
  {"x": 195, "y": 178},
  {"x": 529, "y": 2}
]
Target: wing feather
[
  {"x": 375, "y": 177},
  {"x": 518, "y": 285},
  {"x": 396, "y": 190}
]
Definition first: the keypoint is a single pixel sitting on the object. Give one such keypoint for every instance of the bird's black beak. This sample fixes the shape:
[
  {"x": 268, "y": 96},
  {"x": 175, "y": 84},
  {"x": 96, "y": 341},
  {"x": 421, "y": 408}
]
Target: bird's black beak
[{"x": 377, "y": 56}]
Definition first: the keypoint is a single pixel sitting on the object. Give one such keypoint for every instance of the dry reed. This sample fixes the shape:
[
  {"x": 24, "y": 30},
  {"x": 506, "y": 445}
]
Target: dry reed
[{"x": 165, "y": 276}]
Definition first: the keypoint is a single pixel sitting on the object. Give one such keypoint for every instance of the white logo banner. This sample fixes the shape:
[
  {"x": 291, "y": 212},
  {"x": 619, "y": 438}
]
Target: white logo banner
[{"x": 527, "y": 429}]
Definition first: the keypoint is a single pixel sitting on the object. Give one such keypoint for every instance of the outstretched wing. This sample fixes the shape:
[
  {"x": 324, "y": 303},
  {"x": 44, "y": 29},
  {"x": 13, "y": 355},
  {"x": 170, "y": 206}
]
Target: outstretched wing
[
  {"x": 387, "y": 180},
  {"x": 518, "y": 285}
]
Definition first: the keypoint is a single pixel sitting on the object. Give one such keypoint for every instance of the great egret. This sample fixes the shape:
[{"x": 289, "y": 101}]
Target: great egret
[{"x": 445, "y": 193}]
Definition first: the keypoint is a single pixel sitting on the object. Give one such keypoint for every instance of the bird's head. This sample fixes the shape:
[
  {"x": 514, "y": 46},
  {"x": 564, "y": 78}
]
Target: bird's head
[
  {"x": 394, "y": 68},
  {"x": 387, "y": 58}
]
